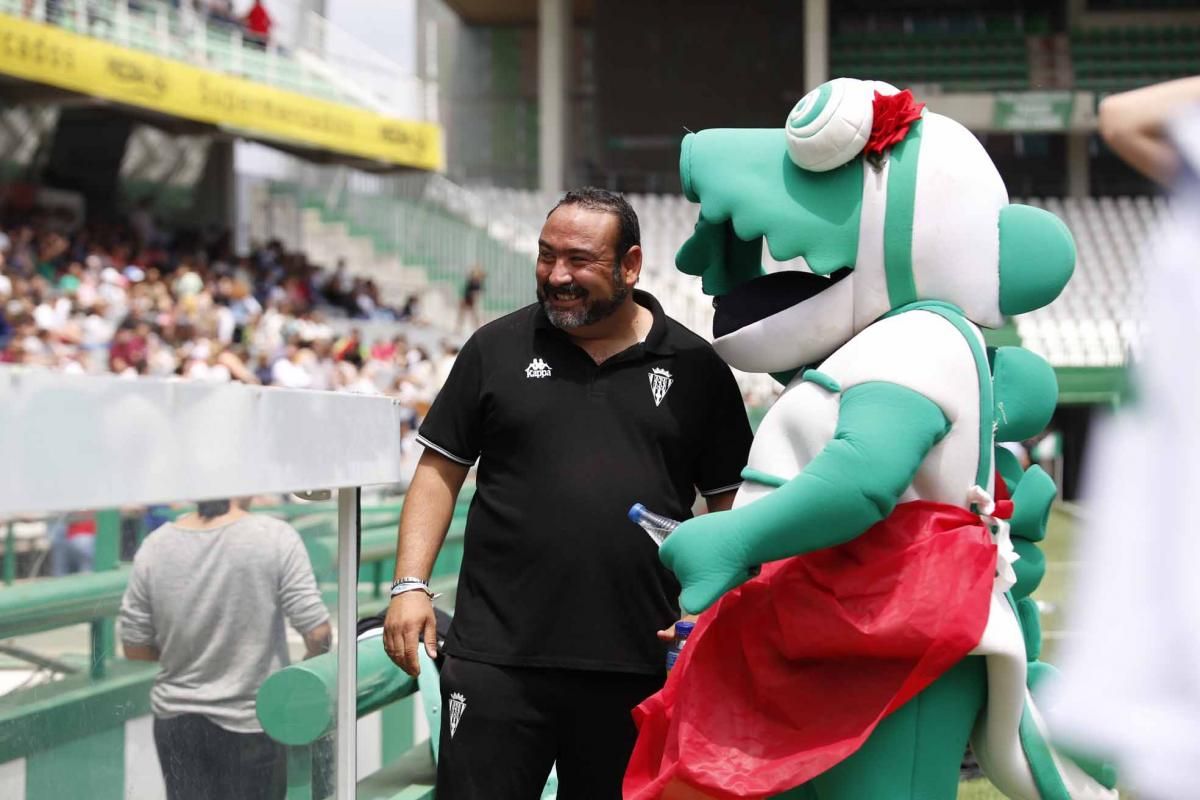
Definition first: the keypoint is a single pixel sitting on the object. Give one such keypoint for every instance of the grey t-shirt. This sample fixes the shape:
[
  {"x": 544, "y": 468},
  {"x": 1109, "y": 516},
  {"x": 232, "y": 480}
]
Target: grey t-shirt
[{"x": 213, "y": 603}]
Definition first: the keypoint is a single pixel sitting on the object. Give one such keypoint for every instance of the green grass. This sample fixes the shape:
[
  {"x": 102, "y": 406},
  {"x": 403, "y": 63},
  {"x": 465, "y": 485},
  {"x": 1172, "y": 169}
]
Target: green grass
[
  {"x": 1054, "y": 590},
  {"x": 978, "y": 790},
  {"x": 1059, "y": 547}
]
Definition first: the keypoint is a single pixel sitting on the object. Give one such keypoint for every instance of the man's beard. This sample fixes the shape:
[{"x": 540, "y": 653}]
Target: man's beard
[{"x": 586, "y": 313}]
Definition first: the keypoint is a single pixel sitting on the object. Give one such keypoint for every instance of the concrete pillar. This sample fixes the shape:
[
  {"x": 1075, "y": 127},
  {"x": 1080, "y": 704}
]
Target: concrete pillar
[
  {"x": 1078, "y": 179},
  {"x": 816, "y": 43},
  {"x": 215, "y": 196},
  {"x": 554, "y": 31}
]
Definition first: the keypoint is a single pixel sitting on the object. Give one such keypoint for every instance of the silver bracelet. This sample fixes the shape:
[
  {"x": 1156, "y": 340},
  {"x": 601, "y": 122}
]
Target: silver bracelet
[{"x": 412, "y": 585}]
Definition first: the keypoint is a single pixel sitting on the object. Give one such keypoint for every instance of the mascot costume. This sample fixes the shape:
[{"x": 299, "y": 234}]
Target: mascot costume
[{"x": 891, "y": 621}]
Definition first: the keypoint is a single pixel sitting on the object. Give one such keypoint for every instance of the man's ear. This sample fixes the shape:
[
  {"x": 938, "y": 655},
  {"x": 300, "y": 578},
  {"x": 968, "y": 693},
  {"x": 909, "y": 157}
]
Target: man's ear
[{"x": 631, "y": 265}]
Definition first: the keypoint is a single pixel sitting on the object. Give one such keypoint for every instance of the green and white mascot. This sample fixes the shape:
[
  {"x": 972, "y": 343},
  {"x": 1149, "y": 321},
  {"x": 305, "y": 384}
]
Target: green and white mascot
[{"x": 891, "y": 621}]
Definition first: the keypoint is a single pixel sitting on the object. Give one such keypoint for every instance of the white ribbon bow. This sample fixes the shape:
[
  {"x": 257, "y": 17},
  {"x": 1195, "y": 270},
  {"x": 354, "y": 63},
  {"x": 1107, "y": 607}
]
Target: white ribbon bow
[{"x": 1006, "y": 554}]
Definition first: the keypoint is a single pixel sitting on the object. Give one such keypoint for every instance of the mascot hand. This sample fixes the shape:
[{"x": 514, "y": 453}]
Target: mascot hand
[{"x": 705, "y": 554}]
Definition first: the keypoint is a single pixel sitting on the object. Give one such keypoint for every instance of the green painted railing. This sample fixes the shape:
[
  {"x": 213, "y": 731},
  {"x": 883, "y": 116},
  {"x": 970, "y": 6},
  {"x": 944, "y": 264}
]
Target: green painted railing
[
  {"x": 39, "y": 719},
  {"x": 296, "y": 705},
  {"x": 57, "y": 602},
  {"x": 50, "y": 722}
]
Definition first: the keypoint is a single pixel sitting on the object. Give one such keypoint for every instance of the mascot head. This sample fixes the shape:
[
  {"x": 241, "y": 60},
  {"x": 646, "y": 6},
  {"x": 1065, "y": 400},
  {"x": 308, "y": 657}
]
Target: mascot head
[{"x": 884, "y": 202}]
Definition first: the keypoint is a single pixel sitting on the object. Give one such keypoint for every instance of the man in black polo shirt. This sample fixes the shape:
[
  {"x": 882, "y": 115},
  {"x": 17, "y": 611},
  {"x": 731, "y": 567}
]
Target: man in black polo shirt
[{"x": 576, "y": 407}]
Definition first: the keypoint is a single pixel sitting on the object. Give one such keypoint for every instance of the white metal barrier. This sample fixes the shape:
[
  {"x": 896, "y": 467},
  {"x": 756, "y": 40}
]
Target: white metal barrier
[{"x": 72, "y": 442}]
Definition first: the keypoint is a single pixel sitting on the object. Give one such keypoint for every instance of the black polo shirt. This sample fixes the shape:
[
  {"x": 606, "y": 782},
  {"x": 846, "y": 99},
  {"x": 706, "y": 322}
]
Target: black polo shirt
[{"x": 554, "y": 574}]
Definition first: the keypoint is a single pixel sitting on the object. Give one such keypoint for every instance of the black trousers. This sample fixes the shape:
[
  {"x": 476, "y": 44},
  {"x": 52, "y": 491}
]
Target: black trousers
[
  {"x": 504, "y": 727},
  {"x": 202, "y": 761}
]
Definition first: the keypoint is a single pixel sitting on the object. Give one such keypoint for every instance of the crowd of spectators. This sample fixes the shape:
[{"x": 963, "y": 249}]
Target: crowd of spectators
[{"x": 129, "y": 300}]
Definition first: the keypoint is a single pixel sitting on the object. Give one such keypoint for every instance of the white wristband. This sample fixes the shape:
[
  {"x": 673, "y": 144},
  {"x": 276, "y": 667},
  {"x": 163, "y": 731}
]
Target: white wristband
[{"x": 401, "y": 587}]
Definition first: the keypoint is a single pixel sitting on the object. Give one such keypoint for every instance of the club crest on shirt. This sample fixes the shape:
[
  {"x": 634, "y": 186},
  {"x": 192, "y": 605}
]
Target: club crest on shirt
[
  {"x": 537, "y": 368},
  {"x": 660, "y": 384},
  {"x": 458, "y": 704}
]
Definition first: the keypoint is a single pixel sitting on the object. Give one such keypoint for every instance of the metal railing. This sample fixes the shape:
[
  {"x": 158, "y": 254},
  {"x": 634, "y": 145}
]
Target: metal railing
[
  {"x": 312, "y": 57},
  {"x": 85, "y": 442}
]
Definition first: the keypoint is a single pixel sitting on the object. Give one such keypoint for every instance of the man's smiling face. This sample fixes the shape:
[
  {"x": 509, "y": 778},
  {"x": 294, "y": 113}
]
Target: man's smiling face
[{"x": 580, "y": 279}]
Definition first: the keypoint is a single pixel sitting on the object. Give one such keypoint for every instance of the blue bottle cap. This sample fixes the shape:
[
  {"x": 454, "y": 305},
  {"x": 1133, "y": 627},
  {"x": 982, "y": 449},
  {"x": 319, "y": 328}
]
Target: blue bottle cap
[{"x": 684, "y": 629}]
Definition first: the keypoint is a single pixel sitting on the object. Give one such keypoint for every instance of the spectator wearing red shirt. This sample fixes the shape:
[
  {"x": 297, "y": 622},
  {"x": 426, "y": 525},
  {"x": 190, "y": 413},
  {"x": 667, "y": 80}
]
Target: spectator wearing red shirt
[
  {"x": 258, "y": 24},
  {"x": 129, "y": 348},
  {"x": 72, "y": 543}
]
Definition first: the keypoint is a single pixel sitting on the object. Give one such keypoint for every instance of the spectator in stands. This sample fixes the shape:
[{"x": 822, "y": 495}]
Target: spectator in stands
[
  {"x": 72, "y": 543},
  {"x": 222, "y": 13},
  {"x": 289, "y": 370},
  {"x": 385, "y": 351},
  {"x": 468, "y": 307},
  {"x": 339, "y": 288},
  {"x": 258, "y": 25},
  {"x": 186, "y": 307},
  {"x": 6, "y": 285},
  {"x": 349, "y": 348},
  {"x": 141, "y": 219},
  {"x": 262, "y": 368},
  {"x": 129, "y": 348},
  {"x": 208, "y": 598},
  {"x": 445, "y": 362},
  {"x": 408, "y": 312},
  {"x": 553, "y": 641}
]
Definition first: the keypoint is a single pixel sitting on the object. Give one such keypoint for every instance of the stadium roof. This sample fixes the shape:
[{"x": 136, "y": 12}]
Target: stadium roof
[{"x": 509, "y": 12}]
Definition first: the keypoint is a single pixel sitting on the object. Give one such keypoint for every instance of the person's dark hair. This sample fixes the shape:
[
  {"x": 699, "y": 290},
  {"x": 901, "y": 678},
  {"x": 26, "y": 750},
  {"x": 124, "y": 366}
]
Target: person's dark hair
[
  {"x": 629, "y": 233},
  {"x": 208, "y": 509}
]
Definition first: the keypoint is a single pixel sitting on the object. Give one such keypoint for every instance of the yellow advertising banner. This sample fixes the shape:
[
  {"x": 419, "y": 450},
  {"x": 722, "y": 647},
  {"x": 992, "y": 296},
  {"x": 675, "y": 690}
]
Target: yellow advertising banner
[{"x": 56, "y": 57}]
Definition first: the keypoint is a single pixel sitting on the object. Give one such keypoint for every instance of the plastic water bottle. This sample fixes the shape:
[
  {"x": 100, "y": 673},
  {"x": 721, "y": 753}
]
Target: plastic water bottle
[
  {"x": 682, "y": 631},
  {"x": 658, "y": 526}
]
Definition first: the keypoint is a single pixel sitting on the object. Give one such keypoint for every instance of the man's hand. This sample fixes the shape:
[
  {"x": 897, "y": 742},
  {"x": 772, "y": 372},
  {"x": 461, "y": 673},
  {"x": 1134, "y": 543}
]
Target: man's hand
[
  {"x": 410, "y": 621},
  {"x": 667, "y": 634},
  {"x": 707, "y": 557}
]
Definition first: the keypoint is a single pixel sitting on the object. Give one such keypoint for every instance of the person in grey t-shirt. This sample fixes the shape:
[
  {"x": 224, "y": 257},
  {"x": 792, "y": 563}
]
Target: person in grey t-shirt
[{"x": 207, "y": 599}]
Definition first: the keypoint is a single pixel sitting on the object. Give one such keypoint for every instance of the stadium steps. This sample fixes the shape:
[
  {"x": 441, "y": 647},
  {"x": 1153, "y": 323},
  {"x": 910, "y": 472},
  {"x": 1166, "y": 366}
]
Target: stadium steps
[
  {"x": 445, "y": 245},
  {"x": 325, "y": 242},
  {"x": 405, "y": 246},
  {"x": 277, "y": 215}
]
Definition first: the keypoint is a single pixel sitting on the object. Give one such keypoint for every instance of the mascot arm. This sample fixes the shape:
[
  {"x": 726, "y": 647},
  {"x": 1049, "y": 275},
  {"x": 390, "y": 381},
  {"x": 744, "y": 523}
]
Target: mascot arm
[{"x": 883, "y": 434}]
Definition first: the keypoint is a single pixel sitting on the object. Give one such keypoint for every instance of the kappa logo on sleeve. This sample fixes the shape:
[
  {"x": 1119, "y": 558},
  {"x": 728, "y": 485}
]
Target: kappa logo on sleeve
[
  {"x": 660, "y": 384},
  {"x": 537, "y": 369},
  {"x": 458, "y": 704}
]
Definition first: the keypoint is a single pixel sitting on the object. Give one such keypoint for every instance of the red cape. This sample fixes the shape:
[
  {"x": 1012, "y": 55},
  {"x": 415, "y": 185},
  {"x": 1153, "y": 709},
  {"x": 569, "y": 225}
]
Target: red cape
[{"x": 789, "y": 673}]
